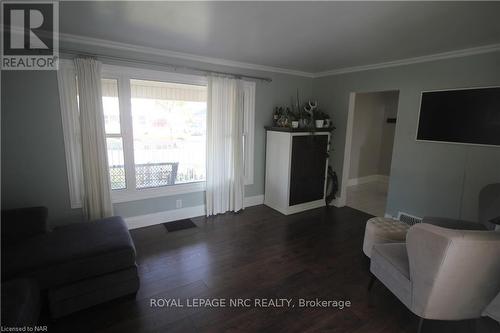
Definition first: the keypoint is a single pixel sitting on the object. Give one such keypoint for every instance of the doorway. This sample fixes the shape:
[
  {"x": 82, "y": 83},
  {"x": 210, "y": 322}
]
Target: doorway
[{"x": 369, "y": 144}]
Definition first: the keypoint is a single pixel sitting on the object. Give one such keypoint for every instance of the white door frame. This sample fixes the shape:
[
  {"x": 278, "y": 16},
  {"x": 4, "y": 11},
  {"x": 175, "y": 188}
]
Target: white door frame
[{"x": 347, "y": 150}]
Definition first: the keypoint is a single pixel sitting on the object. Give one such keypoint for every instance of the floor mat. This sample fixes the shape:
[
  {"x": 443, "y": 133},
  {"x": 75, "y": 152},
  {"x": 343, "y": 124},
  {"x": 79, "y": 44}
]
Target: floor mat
[{"x": 179, "y": 225}]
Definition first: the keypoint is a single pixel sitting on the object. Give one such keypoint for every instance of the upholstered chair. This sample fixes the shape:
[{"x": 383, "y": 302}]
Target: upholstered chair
[{"x": 441, "y": 273}]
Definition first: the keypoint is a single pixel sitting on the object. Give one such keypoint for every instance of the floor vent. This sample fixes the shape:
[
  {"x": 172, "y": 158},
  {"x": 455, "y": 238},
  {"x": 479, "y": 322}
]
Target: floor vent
[{"x": 408, "y": 219}]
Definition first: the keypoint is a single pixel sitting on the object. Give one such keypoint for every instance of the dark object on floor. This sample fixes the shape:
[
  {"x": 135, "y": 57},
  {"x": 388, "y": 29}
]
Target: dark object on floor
[
  {"x": 332, "y": 186},
  {"x": 179, "y": 225},
  {"x": 20, "y": 303},
  {"x": 78, "y": 265}
]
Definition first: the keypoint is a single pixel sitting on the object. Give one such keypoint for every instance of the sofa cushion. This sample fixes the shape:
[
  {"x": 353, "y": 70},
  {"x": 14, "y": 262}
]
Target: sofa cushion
[
  {"x": 83, "y": 294},
  {"x": 72, "y": 253},
  {"x": 389, "y": 263}
]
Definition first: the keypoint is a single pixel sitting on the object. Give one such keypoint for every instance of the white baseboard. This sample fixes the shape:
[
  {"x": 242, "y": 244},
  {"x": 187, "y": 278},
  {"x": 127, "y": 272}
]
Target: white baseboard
[
  {"x": 254, "y": 201},
  {"x": 165, "y": 216},
  {"x": 140, "y": 221},
  {"x": 338, "y": 202},
  {"x": 368, "y": 179}
]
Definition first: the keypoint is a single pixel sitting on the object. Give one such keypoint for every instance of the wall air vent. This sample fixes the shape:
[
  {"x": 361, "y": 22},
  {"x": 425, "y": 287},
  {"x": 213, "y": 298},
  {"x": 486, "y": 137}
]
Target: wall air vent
[{"x": 408, "y": 219}]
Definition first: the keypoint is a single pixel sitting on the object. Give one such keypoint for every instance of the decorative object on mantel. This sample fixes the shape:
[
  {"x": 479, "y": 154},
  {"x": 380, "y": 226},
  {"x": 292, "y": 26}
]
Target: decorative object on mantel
[
  {"x": 307, "y": 118},
  {"x": 294, "y": 120},
  {"x": 281, "y": 117},
  {"x": 321, "y": 119},
  {"x": 276, "y": 115},
  {"x": 310, "y": 107}
]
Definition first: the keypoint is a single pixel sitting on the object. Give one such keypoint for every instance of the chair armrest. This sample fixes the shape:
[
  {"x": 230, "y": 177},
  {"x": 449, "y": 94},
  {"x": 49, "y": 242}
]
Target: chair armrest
[
  {"x": 453, "y": 223},
  {"x": 22, "y": 223},
  {"x": 454, "y": 273},
  {"x": 426, "y": 250}
]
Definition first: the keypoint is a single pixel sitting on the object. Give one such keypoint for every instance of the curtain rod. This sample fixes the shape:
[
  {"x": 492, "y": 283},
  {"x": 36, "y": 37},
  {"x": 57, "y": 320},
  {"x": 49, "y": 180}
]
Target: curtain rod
[{"x": 161, "y": 64}]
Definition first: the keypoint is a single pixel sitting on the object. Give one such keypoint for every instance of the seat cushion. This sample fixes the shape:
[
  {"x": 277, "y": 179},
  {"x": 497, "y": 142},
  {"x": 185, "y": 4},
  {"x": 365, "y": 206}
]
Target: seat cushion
[
  {"x": 72, "y": 253},
  {"x": 83, "y": 294},
  {"x": 389, "y": 263},
  {"x": 380, "y": 230}
]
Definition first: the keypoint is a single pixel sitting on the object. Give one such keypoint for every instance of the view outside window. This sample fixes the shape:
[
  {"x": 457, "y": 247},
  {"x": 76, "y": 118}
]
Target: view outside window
[
  {"x": 169, "y": 131},
  {"x": 114, "y": 140},
  {"x": 169, "y": 128}
]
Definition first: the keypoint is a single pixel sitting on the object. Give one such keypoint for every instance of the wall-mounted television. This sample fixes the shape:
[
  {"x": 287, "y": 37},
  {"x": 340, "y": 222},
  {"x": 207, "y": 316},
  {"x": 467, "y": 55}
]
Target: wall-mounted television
[{"x": 468, "y": 116}]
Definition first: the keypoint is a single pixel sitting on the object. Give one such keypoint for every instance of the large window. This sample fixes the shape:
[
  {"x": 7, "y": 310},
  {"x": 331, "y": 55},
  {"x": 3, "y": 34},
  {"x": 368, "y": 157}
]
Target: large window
[
  {"x": 155, "y": 124},
  {"x": 155, "y": 130}
]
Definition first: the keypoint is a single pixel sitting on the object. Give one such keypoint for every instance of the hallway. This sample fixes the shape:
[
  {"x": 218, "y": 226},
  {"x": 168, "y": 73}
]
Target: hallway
[{"x": 369, "y": 197}]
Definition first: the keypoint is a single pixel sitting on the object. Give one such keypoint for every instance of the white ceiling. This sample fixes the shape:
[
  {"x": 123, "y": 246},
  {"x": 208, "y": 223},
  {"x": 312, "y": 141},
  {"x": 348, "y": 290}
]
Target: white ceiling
[{"x": 304, "y": 36}]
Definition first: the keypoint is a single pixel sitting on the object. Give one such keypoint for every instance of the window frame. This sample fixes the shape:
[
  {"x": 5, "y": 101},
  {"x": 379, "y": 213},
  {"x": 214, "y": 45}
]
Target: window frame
[
  {"x": 121, "y": 134},
  {"x": 124, "y": 75}
]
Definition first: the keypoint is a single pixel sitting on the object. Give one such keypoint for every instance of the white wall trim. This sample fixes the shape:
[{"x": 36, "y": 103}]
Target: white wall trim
[
  {"x": 414, "y": 60},
  {"x": 165, "y": 216},
  {"x": 108, "y": 44},
  {"x": 341, "y": 202},
  {"x": 337, "y": 202},
  {"x": 140, "y": 221},
  {"x": 254, "y": 201},
  {"x": 368, "y": 179}
]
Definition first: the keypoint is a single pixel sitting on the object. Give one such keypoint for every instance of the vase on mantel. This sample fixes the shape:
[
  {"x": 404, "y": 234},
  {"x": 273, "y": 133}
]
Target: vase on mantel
[{"x": 302, "y": 123}]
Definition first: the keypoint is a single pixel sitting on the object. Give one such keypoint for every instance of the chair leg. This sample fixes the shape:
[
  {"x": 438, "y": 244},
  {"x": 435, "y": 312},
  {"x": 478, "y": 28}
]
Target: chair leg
[
  {"x": 372, "y": 281},
  {"x": 420, "y": 325}
]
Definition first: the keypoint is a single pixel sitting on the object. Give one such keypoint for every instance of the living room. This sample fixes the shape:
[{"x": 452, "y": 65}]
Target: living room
[{"x": 186, "y": 166}]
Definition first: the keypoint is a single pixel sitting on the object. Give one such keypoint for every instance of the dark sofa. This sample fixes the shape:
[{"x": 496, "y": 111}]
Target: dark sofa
[{"x": 76, "y": 266}]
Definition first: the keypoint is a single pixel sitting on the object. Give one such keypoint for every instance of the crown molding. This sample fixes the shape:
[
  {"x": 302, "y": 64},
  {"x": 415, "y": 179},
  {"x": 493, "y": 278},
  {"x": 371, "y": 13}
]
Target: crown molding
[
  {"x": 102, "y": 43},
  {"x": 414, "y": 60},
  {"x": 108, "y": 44}
]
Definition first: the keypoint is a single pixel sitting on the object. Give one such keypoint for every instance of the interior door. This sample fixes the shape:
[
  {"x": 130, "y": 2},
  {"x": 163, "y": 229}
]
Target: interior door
[{"x": 307, "y": 174}]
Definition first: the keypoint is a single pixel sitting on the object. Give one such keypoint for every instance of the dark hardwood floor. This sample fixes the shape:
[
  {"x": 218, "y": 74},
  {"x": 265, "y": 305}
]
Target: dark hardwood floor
[{"x": 259, "y": 253}]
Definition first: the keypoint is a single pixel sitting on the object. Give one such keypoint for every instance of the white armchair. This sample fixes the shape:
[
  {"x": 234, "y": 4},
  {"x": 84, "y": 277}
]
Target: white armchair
[{"x": 441, "y": 273}]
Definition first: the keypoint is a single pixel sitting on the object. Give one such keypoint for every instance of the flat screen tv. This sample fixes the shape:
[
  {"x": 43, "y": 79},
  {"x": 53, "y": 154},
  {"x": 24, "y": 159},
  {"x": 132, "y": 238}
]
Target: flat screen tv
[{"x": 469, "y": 116}]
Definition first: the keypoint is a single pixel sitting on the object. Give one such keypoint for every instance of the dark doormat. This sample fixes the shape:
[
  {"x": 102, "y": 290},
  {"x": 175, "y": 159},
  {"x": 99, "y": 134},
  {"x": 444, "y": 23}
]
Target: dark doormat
[{"x": 179, "y": 225}]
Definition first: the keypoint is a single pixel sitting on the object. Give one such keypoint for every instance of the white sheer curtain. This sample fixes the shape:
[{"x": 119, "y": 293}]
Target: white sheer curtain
[
  {"x": 225, "y": 158},
  {"x": 70, "y": 115},
  {"x": 97, "y": 196}
]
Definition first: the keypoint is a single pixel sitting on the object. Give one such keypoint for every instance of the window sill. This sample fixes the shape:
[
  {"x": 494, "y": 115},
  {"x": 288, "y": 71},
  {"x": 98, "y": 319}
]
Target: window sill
[{"x": 118, "y": 196}]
